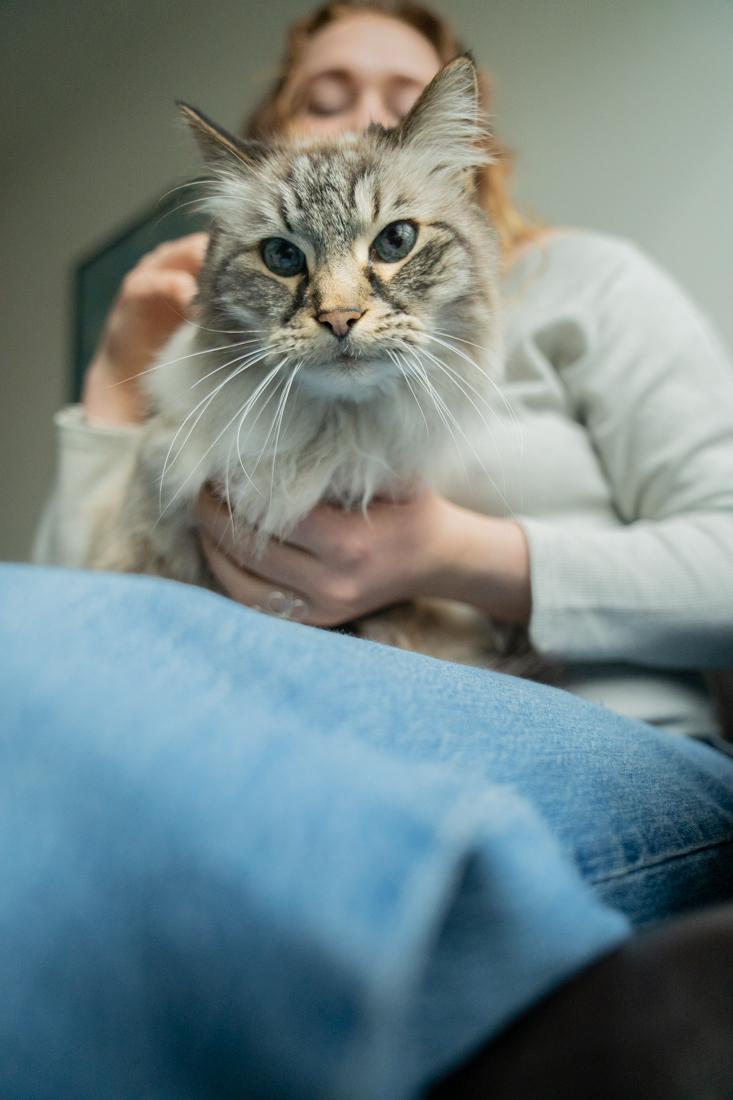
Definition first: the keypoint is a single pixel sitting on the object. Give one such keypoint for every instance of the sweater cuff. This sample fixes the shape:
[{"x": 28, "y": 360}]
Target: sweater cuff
[
  {"x": 91, "y": 461},
  {"x": 651, "y": 593},
  {"x": 568, "y": 595},
  {"x": 75, "y": 432}
]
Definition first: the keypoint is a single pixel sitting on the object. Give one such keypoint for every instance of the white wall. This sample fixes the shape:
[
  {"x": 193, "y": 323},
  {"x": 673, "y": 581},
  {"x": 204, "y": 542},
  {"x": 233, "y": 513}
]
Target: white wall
[{"x": 621, "y": 113}]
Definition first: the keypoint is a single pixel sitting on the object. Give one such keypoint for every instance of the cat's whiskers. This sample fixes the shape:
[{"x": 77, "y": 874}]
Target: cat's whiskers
[
  {"x": 170, "y": 362},
  {"x": 246, "y": 359},
  {"x": 281, "y": 413},
  {"x": 469, "y": 385},
  {"x": 230, "y": 510},
  {"x": 253, "y": 353},
  {"x": 263, "y": 385},
  {"x": 181, "y": 186},
  {"x": 235, "y": 442},
  {"x": 269, "y": 431},
  {"x": 511, "y": 411},
  {"x": 513, "y": 415},
  {"x": 473, "y": 450},
  {"x": 226, "y": 427},
  {"x": 458, "y": 381},
  {"x": 420, "y": 374},
  {"x": 223, "y": 331},
  {"x": 252, "y": 359},
  {"x": 272, "y": 349},
  {"x": 393, "y": 356},
  {"x": 463, "y": 384},
  {"x": 202, "y": 202},
  {"x": 205, "y": 402}
]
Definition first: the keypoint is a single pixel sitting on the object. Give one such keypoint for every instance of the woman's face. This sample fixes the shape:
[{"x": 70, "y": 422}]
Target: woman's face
[{"x": 363, "y": 68}]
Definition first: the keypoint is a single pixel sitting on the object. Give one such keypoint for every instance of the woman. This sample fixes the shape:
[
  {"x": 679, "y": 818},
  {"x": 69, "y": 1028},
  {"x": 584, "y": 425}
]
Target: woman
[
  {"x": 617, "y": 558},
  {"x": 609, "y": 533}
]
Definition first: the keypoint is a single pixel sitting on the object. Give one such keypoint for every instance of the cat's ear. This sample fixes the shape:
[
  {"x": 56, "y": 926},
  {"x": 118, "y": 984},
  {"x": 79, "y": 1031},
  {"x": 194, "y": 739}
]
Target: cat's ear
[
  {"x": 218, "y": 147},
  {"x": 445, "y": 122}
]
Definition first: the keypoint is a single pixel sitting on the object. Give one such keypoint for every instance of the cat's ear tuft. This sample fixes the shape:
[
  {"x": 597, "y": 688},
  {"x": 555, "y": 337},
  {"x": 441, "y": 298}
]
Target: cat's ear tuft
[
  {"x": 445, "y": 122},
  {"x": 218, "y": 147}
]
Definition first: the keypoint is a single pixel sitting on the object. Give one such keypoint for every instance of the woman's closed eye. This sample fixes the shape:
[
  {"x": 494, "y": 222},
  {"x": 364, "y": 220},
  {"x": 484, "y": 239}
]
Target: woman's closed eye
[
  {"x": 402, "y": 96},
  {"x": 336, "y": 93},
  {"x": 329, "y": 94}
]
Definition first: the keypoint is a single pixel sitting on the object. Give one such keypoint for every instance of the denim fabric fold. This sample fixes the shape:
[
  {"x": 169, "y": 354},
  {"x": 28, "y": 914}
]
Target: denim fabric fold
[{"x": 243, "y": 857}]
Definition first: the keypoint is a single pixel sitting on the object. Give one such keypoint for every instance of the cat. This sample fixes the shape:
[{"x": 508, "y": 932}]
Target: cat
[{"x": 344, "y": 281}]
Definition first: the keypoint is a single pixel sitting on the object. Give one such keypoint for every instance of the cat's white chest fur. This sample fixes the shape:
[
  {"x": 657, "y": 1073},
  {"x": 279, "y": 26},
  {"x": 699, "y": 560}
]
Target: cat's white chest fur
[{"x": 274, "y": 445}]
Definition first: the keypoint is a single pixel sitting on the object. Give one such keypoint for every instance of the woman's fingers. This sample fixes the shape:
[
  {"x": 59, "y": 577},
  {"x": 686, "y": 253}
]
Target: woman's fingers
[
  {"x": 153, "y": 301},
  {"x": 251, "y": 590},
  {"x": 185, "y": 254},
  {"x": 327, "y": 531},
  {"x": 322, "y": 597},
  {"x": 149, "y": 289},
  {"x": 280, "y": 563}
]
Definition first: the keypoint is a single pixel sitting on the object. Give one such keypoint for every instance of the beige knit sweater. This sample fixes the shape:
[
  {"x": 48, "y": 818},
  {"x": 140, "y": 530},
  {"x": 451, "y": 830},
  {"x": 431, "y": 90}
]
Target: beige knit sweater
[{"x": 615, "y": 453}]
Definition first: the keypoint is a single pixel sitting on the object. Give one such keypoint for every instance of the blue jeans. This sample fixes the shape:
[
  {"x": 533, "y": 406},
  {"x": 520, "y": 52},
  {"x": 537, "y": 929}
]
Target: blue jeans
[{"x": 244, "y": 857}]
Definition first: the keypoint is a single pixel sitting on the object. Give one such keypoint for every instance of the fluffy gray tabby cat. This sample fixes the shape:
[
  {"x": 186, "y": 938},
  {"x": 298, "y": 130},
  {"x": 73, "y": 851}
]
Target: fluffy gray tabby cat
[{"x": 343, "y": 284}]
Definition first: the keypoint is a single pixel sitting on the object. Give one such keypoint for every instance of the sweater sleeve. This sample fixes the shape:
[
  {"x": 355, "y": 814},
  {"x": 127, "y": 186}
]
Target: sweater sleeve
[
  {"x": 654, "y": 390},
  {"x": 90, "y": 461}
]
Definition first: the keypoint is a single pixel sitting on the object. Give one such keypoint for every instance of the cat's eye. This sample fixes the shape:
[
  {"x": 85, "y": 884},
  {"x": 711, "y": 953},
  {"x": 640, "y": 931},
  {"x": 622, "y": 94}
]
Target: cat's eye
[
  {"x": 282, "y": 257},
  {"x": 395, "y": 241}
]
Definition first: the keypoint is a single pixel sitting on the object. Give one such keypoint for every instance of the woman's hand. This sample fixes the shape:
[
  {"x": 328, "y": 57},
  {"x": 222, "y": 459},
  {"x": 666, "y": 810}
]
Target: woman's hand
[
  {"x": 337, "y": 566},
  {"x": 154, "y": 299},
  {"x": 337, "y": 563}
]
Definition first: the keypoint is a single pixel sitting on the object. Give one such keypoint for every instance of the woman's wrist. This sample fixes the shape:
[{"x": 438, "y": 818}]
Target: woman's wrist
[
  {"x": 109, "y": 398},
  {"x": 484, "y": 561}
]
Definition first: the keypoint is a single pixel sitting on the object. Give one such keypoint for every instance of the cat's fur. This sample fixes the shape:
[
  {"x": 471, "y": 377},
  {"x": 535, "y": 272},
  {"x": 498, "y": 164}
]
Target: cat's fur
[{"x": 284, "y": 422}]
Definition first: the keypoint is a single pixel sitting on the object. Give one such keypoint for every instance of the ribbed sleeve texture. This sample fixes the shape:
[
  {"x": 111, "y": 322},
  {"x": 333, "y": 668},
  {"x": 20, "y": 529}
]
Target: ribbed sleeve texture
[{"x": 654, "y": 390}]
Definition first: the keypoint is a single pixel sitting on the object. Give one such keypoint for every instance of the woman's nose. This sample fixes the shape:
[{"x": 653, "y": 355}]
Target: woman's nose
[{"x": 370, "y": 107}]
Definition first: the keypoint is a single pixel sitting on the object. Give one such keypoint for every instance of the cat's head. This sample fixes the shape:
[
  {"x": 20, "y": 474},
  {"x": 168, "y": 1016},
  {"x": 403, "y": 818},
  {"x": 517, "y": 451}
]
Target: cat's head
[{"x": 358, "y": 257}]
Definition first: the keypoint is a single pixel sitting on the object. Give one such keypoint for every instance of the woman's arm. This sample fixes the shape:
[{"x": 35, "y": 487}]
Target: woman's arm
[
  {"x": 654, "y": 390},
  {"x": 96, "y": 440}
]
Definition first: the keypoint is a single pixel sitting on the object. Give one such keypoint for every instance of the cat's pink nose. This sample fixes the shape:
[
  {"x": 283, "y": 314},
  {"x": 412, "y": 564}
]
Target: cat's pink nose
[{"x": 340, "y": 320}]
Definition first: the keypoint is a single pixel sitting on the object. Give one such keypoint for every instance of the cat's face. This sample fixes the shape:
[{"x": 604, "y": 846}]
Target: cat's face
[{"x": 353, "y": 258}]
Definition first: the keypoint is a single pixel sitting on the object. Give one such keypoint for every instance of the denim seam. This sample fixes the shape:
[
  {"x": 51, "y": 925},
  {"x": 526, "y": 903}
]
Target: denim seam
[{"x": 659, "y": 862}]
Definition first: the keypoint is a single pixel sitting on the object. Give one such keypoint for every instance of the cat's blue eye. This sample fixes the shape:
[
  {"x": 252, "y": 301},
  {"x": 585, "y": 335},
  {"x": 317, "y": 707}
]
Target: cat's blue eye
[
  {"x": 395, "y": 241},
  {"x": 282, "y": 257}
]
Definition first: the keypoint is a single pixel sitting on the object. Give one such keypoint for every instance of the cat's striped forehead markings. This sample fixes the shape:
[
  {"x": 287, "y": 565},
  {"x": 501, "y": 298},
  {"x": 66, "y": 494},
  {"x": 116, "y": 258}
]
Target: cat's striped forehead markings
[
  {"x": 331, "y": 199},
  {"x": 365, "y": 198}
]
